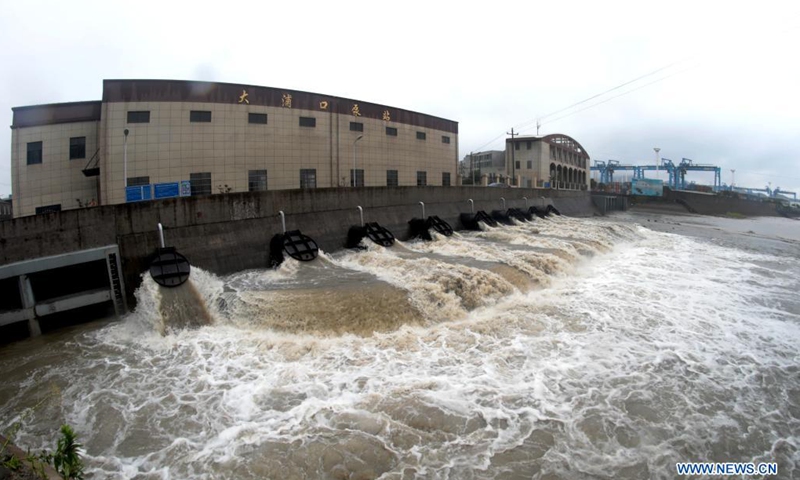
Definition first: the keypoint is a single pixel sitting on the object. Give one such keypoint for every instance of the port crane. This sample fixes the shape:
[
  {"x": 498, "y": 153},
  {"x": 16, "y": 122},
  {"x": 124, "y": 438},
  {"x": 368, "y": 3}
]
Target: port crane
[
  {"x": 777, "y": 193},
  {"x": 677, "y": 173},
  {"x": 783, "y": 193},
  {"x": 607, "y": 169}
]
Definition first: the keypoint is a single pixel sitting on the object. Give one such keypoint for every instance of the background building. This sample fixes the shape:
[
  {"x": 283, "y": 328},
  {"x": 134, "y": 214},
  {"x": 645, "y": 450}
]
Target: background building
[
  {"x": 5, "y": 208},
  {"x": 491, "y": 163},
  {"x": 555, "y": 161},
  {"x": 171, "y": 138}
]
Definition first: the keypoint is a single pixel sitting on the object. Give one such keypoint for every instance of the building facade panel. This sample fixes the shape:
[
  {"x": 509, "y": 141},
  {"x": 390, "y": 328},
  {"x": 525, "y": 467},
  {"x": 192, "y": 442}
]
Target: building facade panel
[
  {"x": 177, "y": 131},
  {"x": 58, "y": 179}
]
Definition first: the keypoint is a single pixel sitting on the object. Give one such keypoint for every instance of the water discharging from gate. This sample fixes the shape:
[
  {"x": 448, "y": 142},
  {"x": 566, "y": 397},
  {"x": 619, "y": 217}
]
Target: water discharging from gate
[{"x": 559, "y": 348}]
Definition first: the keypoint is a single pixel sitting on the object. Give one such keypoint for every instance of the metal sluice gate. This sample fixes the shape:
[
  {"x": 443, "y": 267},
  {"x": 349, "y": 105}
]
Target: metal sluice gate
[
  {"x": 372, "y": 230},
  {"x": 379, "y": 234},
  {"x": 518, "y": 214},
  {"x": 471, "y": 220},
  {"x": 300, "y": 247},
  {"x": 169, "y": 268},
  {"x": 439, "y": 225}
]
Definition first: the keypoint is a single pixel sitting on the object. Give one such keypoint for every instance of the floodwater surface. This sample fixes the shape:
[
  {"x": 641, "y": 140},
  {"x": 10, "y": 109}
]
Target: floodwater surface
[{"x": 556, "y": 349}]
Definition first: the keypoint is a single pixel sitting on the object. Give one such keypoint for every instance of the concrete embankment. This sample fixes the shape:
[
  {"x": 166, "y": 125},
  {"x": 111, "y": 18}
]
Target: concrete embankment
[
  {"x": 705, "y": 204},
  {"x": 230, "y": 233}
]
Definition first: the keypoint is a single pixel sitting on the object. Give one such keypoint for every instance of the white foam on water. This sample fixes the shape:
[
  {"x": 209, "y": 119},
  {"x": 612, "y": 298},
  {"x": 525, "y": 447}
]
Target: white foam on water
[
  {"x": 664, "y": 349},
  {"x": 441, "y": 291}
]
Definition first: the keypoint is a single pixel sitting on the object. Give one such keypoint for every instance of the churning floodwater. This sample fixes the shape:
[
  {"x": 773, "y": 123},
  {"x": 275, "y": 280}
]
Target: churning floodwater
[{"x": 557, "y": 349}]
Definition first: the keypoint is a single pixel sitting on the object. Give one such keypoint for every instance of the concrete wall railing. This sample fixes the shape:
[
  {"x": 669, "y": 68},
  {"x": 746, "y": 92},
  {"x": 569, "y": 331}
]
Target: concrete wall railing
[{"x": 230, "y": 233}]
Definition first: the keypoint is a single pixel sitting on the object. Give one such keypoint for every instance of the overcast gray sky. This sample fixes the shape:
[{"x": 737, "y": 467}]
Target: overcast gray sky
[{"x": 730, "y": 99}]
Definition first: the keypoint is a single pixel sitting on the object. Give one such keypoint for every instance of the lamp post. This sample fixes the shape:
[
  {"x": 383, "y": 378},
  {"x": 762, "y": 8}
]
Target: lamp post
[
  {"x": 354, "y": 158},
  {"x": 658, "y": 173},
  {"x": 125, "y": 157},
  {"x": 472, "y": 167}
]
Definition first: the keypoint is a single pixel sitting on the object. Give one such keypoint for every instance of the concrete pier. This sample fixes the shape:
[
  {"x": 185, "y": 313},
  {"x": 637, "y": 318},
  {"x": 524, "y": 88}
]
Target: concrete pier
[{"x": 31, "y": 310}]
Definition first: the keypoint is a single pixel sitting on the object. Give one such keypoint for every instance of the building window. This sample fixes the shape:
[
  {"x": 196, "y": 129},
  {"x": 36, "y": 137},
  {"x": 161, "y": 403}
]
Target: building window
[
  {"x": 138, "y": 181},
  {"x": 359, "y": 177},
  {"x": 260, "y": 118},
  {"x": 356, "y": 127},
  {"x": 445, "y": 139},
  {"x": 34, "y": 153},
  {"x": 256, "y": 180},
  {"x": 529, "y": 145},
  {"x": 201, "y": 183},
  {"x": 530, "y": 164},
  {"x": 139, "y": 117},
  {"x": 308, "y": 177},
  {"x": 308, "y": 122},
  {"x": 391, "y": 178},
  {"x": 48, "y": 209},
  {"x": 200, "y": 116},
  {"x": 422, "y": 179},
  {"x": 421, "y": 136},
  {"x": 445, "y": 179},
  {"x": 516, "y": 146},
  {"x": 391, "y": 131},
  {"x": 77, "y": 147},
  {"x": 516, "y": 164}
]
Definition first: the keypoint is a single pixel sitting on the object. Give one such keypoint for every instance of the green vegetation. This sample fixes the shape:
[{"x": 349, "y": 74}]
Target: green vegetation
[{"x": 66, "y": 460}]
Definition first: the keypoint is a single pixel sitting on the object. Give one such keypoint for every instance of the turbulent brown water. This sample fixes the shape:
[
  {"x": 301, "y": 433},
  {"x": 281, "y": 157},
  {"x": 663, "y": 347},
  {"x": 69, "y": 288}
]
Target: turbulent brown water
[{"x": 557, "y": 349}]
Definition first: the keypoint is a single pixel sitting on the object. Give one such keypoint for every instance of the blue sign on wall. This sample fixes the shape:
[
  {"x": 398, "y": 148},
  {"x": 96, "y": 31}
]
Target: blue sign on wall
[
  {"x": 647, "y": 187},
  {"x": 138, "y": 193},
  {"x": 167, "y": 190}
]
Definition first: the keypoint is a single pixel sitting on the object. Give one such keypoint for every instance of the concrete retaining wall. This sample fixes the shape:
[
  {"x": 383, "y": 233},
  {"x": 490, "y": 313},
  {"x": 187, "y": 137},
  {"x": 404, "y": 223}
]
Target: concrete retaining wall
[
  {"x": 706, "y": 204},
  {"x": 229, "y": 233}
]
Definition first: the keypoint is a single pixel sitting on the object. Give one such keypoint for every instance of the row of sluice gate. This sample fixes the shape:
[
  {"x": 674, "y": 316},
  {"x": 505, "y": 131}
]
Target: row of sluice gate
[
  {"x": 169, "y": 268},
  {"x": 505, "y": 216}
]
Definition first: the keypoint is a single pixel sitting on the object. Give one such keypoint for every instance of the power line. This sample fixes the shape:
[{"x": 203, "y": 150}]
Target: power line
[
  {"x": 622, "y": 94},
  {"x": 539, "y": 119},
  {"x": 642, "y": 86},
  {"x": 649, "y": 74},
  {"x": 489, "y": 142}
]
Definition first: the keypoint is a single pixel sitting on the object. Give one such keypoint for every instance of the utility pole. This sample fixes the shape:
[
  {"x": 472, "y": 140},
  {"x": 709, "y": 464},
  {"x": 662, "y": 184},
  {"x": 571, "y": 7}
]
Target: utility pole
[
  {"x": 513, "y": 174},
  {"x": 733, "y": 177},
  {"x": 538, "y": 124}
]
